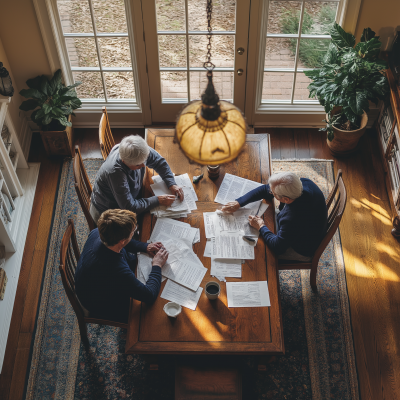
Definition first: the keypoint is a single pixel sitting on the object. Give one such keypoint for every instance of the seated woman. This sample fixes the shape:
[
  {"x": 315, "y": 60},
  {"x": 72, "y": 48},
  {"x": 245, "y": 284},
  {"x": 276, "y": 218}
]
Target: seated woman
[
  {"x": 119, "y": 180},
  {"x": 104, "y": 277},
  {"x": 302, "y": 221}
]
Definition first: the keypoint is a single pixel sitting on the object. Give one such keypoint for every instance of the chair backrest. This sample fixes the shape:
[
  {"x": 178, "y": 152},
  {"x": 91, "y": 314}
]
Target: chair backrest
[
  {"x": 105, "y": 136},
  {"x": 336, "y": 204},
  {"x": 69, "y": 256},
  {"x": 83, "y": 187}
]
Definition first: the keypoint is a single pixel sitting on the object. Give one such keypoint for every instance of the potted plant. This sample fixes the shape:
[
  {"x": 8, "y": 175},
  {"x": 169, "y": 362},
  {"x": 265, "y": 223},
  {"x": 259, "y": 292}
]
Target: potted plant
[
  {"x": 351, "y": 77},
  {"x": 54, "y": 104}
]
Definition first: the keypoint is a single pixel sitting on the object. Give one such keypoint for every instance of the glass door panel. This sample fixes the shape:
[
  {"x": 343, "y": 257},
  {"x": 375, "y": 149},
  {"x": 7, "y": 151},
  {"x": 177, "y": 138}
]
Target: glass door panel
[{"x": 176, "y": 47}]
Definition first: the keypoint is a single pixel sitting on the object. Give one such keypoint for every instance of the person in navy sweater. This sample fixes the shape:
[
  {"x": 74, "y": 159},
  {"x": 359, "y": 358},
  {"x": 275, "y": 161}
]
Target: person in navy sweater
[
  {"x": 104, "y": 277},
  {"x": 302, "y": 221}
]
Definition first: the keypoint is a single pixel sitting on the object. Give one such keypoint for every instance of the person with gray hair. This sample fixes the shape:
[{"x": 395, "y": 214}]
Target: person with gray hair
[
  {"x": 301, "y": 222},
  {"x": 119, "y": 180}
]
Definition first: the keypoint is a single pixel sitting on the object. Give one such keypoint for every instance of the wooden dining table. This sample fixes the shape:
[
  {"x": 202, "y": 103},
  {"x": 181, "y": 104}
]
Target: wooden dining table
[{"x": 212, "y": 328}]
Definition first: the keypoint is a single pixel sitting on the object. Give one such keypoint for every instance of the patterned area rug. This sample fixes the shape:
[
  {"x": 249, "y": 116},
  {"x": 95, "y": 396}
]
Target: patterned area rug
[{"x": 319, "y": 362}]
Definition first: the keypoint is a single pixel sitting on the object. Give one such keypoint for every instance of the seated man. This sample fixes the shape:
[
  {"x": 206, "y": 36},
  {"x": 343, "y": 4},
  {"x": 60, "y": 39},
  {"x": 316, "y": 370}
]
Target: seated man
[
  {"x": 301, "y": 224},
  {"x": 119, "y": 180},
  {"x": 104, "y": 278}
]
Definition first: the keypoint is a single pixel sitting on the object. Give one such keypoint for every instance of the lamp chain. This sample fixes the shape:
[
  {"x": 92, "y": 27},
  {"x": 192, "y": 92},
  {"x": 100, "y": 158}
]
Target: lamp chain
[{"x": 208, "y": 65}]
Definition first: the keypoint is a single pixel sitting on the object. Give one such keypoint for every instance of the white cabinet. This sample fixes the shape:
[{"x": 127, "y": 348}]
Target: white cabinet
[{"x": 18, "y": 180}]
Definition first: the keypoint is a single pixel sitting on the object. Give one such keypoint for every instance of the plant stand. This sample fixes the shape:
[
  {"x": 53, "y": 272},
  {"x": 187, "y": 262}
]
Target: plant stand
[{"x": 59, "y": 143}]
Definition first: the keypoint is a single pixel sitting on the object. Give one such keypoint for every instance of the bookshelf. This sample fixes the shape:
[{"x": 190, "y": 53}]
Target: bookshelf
[
  {"x": 388, "y": 126},
  {"x": 18, "y": 180}
]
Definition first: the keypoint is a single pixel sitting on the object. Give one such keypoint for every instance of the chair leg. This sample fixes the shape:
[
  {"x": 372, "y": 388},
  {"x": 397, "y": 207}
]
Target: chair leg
[
  {"x": 83, "y": 332},
  {"x": 313, "y": 277}
]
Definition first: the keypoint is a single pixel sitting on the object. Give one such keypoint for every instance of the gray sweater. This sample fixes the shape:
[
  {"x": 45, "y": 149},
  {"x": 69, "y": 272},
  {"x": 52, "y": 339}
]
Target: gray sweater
[{"x": 117, "y": 186}]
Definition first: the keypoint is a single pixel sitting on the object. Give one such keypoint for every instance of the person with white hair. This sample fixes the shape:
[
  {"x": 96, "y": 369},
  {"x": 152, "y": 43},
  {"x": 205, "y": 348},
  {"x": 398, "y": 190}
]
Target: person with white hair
[
  {"x": 119, "y": 180},
  {"x": 302, "y": 221}
]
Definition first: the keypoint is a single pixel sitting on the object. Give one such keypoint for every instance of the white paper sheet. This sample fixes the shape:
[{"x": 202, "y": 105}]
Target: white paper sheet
[
  {"x": 181, "y": 295},
  {"x": 185, "y": 272},
  {"x": 210, "y": 224},
  {"x": 208, "y": 249},
  {"x": 231, "y": 246},
  {"x": 181, "y": 180},
  {"x": 233, "y": 187},
  {"x": 226, "y": 268},
  {"x": 173, "y": 229},
  {"x": 197, "y": 237},
  {"x": 144, "y": 265},
  {"x": 248, "y": 294}
]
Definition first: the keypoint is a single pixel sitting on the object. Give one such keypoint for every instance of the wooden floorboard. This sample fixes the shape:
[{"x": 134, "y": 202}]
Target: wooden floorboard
[{"x": 372, "y": 257}]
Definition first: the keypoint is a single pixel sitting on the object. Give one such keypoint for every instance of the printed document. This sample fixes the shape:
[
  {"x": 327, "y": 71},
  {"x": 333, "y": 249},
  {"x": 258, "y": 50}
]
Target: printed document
[
  {"x": 231, "y": 246},
  {"x": 233, "y": 187},
  {"x": 181, "y": 295},
  {"x": 248, "y": 294},
  {"x": 226, "y": 268},
  {"x": 174, "y": 229},
  {"x": 185, "y": 272}
]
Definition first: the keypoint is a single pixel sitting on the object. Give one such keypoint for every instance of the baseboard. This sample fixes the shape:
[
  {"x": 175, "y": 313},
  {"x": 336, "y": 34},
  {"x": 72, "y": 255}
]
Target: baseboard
[
  {"x": 113, "y": 125},
  {"x": 287, "y": 125}
]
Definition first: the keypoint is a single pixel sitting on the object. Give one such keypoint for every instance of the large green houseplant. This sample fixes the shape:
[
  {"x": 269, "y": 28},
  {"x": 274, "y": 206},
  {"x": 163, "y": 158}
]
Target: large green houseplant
[
  {"x": 351, "y": 77},
  {"x": 53, "y": 104}
]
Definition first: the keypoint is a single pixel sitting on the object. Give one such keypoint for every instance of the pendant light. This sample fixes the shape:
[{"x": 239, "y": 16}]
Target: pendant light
[{"x": 211, "y": 131}]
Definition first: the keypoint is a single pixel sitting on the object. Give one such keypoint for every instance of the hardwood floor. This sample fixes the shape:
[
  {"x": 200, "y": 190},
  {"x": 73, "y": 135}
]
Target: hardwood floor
[{"x": 372, "y": 258}]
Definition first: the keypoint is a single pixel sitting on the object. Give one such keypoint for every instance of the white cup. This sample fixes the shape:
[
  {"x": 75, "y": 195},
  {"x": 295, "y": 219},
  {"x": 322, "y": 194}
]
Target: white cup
[{"x": 172, "y": 309}]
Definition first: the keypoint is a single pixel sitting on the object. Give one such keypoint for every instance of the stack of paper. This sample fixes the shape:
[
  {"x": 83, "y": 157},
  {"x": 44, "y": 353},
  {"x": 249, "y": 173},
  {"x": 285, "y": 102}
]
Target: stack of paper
[
  {"x": 178, "y": 208},
  {"x": 184, "y": 269}
]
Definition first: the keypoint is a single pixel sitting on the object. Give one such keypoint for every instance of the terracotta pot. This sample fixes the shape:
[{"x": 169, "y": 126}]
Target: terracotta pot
[
  {"x": 59, "y": 143},
  {"x": 345, "y": 142}
]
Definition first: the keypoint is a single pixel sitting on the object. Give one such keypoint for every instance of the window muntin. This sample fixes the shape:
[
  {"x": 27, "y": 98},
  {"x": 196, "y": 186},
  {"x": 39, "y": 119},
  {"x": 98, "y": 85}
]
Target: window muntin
[
  {"x": 98, "y": 48},
  {"x": 297, "y": 36}
]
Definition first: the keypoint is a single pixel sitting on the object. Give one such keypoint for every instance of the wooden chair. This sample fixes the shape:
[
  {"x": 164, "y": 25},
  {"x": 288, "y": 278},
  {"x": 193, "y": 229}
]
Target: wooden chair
[
  {"x": 69, "y": 256},
  {"x": 105, "y": 136},
  {"x": 83, "y": 187},
  {"x": 337, "y": 199}
]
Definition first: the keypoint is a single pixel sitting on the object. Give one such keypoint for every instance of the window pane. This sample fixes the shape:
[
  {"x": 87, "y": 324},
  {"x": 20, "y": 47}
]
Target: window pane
[
  {"x": 283, "y": 17},
  {"x": 223, "y": 83},
  {"x": 300, "y": 90},
  {"x": 91, "y": 88},
  {"x": 75, "y": 16},
  {"x": 110, "y": 15},
  {"x": 115, "y": 52},
  {"x": 311, "y": 52},
  {"x": 319, "y": 17},
  {"x": 172, "y": 51},
  {"x": 277, "y": 86},
  {"x": 223, "y": 54},
  {"x": 170, "y": 15},
  {"x": 82, "y": 52},
  {"x": 174, "y": 85},
  {"x": 280, "y": 53},
  {"x": 119, "y": 85},
  {"x": 223, "y": 15}
]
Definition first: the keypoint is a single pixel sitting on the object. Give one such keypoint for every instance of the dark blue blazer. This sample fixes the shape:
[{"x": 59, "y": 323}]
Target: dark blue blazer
[{"x": 302, "y": 224}]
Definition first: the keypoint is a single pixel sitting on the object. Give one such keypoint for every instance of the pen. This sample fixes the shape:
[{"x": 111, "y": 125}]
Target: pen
[
  {"x": 258, "y": 209},
  {"x": 249, "y": 239}
]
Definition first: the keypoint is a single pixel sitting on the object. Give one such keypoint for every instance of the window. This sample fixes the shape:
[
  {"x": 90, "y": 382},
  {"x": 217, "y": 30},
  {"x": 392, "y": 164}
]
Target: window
[
  {"x": 98, "y": 47},
  {"x": 182, "y": 48},
  {"x": 297, "y": 37}
]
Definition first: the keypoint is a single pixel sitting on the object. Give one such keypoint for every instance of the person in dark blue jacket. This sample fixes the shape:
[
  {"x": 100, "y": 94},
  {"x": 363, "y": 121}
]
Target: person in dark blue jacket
[
  {"x": 302, "y": 221},
  {"x": 104, "y": 277}
]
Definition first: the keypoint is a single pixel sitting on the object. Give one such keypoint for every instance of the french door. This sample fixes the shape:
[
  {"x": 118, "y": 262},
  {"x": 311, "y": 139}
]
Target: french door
[{"x": 175, "y": 33}]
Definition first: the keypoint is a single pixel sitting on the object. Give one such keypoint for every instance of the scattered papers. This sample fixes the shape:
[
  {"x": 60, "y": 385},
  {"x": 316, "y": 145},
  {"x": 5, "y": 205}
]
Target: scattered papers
[
  {"x": 233, "y": 187},
  {"x": 197, "y": 236},
  {"x": 208, "y": 249},
  {"x": 226, "y": 268},
  {"x": 173, "y": 229},
  {"x": 231, "y": 246},
  {"x": 144, "y": 268},
  {"x": 185, "y": 272},
  {"x": 181, "y": 295},
  {"x": 248, "y": 294}
]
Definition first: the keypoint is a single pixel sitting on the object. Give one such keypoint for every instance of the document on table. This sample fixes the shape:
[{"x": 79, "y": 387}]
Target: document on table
[
  {"x": 233, "y": 187},
  {"x": 181, "y": 180},
  {"x": 248, "y": 294},
  {"x": 174, "y": 229},
  {"x": 210, "y": 224},
  {"x": 185, "y": 272},
  {"x": 181, "y": 295},
  {"x": 144, "y": 266},
  {"x": 226, "y": 268},
  {"x": 208, "y": 249},
  {"x": 160, "y": 189},
  {"x": 231, "y": 246}
]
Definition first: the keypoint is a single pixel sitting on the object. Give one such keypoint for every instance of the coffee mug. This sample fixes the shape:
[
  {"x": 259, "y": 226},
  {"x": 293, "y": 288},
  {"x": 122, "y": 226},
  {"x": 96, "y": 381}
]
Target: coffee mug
[{"x": 212, "y": 290}]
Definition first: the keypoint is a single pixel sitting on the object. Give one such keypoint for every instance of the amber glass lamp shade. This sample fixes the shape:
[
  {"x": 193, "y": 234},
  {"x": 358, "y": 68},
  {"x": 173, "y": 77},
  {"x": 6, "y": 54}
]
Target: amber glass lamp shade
[{"x": 211, "y": 142}]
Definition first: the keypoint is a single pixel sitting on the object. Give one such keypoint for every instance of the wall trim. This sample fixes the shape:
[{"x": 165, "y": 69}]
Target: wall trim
[{"x": 113, "y": 124}]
